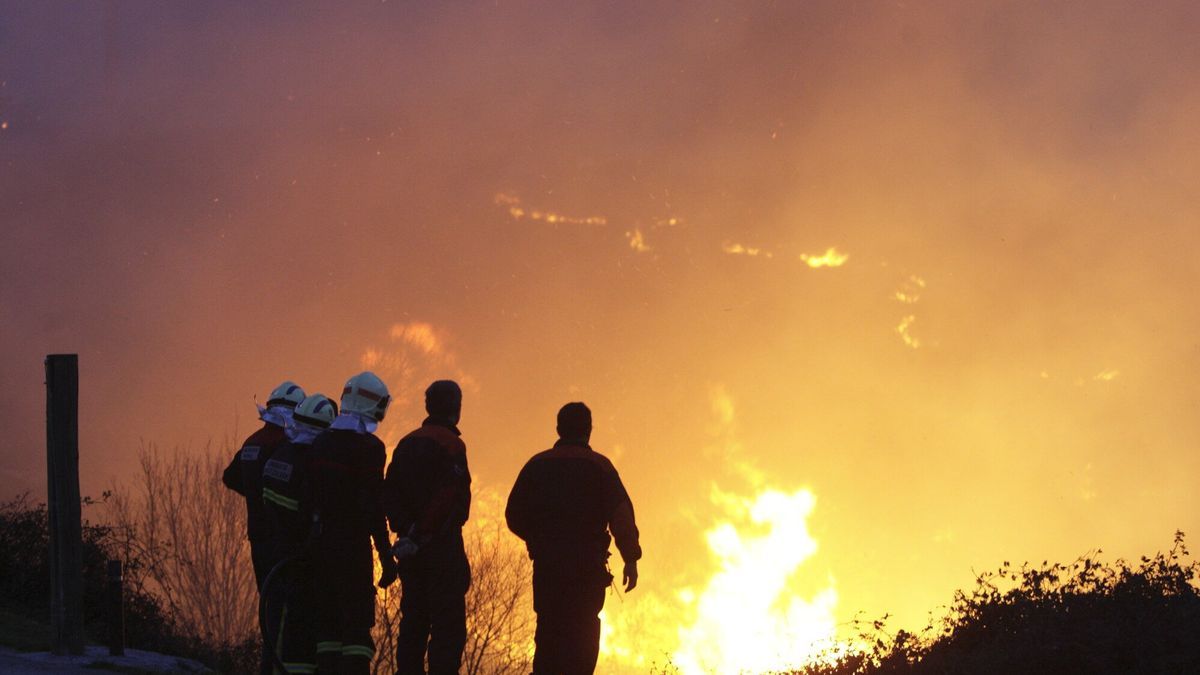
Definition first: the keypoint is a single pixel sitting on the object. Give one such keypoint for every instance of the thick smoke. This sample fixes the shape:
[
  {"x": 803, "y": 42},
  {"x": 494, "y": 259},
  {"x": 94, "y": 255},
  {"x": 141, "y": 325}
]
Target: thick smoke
[{"x": 204, "y": 199}]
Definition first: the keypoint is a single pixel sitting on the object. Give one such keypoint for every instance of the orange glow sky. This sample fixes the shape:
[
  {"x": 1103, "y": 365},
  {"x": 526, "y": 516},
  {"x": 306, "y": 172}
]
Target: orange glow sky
[{"x": 934, "y": 262}]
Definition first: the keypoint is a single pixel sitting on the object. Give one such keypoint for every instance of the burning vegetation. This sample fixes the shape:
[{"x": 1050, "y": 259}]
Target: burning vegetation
[{"x": 1084, "y": 616}]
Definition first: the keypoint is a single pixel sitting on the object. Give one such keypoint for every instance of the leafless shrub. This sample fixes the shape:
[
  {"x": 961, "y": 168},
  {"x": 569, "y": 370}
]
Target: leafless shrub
[
  {"x": 500, "y": 620},
  {"x": 186, "y": 533},
  {"x": 387, "y": 624}
]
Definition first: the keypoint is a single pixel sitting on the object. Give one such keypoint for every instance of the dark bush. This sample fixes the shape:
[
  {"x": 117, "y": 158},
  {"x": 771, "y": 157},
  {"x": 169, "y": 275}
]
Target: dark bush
[
  {"x": 25, "y": 590},
  {"x": 1083, "y": 617},
  {"x": 25, "y": 563}
]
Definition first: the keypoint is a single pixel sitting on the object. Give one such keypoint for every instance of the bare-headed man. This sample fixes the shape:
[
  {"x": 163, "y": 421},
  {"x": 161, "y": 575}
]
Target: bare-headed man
[{"x": 564, "y": 504}]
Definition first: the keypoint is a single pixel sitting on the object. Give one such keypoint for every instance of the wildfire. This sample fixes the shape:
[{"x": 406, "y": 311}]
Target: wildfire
[
  {"x": 831, "y": 258},
  {"x": 748, "y": 618},
  {"x": 905, "y": 331},
  {"x": 517, "y": 211},
  {"x": 738, "y": 249},
  {"x": 910, "y": 292},
  {"x": 750, "y": 606},
  {"x": 637, "y": 241}
]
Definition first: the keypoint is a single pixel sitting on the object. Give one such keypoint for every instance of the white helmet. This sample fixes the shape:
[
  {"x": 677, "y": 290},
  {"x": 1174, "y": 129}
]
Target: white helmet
[
  {"x": 366, "y": 394},
  {"x": 288, "y": 394},
  {"x": 316, "y": 411}
]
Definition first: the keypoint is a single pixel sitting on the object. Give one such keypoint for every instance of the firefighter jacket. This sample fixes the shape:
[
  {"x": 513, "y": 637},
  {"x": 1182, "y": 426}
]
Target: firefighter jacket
[
  {"x": 427, "y": 493},
  {"x": 287, "y": 499},
  {"x": 244, "y": 475},
  {"x": 346, "y": 478},
  {"x": 564, "y": 504}
]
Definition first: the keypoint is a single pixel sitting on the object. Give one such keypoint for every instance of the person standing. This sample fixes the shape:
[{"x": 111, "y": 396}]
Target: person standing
[
  {"x": 347, "y": 477},
  {"x": 564, "y": 504},
  {"x": 244, "y": 476},
  {"x": 287, "y": 503},
  {"x": 427, "y": 495}
]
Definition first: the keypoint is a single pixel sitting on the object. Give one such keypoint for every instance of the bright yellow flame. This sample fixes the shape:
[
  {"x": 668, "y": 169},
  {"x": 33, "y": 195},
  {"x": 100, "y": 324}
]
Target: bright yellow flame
[
  {"x": 748, "y": 617},
  {"x": 738, "y": 249},
  {"x": 904, "y": 329},
  {"x": 638, "y": 631},
  {"x": 910, "y": 292},
  {"x": 1106, "y": 375},
  {"x": 753, "y": 608},
  {"x": 637, "y": 241},
  {"x": 831, "y": 258},
  {"x": 517, "y": 212}
]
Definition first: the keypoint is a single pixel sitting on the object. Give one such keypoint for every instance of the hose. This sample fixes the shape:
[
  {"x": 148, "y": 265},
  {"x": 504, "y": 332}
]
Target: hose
[{"x": 268, "y": 637}]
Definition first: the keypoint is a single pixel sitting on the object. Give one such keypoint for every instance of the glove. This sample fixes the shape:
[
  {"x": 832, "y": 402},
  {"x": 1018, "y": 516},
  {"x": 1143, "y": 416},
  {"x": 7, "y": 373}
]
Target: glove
[
  {"x": 630, "y": 577},
  {"x": 405, "y": 548},
  {"x": 388, "y": 571}
]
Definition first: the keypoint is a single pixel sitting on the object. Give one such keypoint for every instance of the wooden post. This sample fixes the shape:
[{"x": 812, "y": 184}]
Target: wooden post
[{"x": 62, "y": 463}]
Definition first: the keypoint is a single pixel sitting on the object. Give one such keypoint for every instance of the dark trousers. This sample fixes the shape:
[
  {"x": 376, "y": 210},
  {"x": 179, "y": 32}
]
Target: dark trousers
[
  {"x": 291, "y": 616},
  {"x": 262, "y": 560},
  {"x": 344, "y": 583},
  {"x": 433, "y": 614},
  {"x": 568, "y": 601}
]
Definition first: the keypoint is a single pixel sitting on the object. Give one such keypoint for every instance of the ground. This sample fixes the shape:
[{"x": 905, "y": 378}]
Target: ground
[{"x": 95, "y": 659}]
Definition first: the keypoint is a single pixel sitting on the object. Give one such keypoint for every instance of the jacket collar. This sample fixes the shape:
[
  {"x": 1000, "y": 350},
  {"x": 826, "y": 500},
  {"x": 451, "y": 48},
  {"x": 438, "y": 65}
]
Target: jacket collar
[{"x": 432, "y": 421}]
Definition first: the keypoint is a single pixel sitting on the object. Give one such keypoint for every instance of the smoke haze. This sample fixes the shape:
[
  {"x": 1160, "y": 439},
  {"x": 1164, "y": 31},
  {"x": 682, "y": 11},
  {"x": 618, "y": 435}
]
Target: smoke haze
[{"x": 622, "y": 204}]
